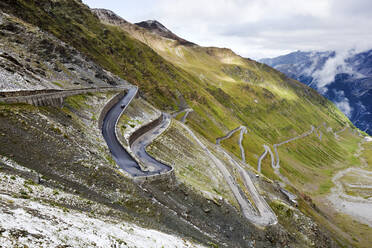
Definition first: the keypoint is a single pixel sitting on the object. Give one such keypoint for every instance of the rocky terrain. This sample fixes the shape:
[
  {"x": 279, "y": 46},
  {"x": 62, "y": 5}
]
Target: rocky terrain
[{"x": 33, "y": 59}]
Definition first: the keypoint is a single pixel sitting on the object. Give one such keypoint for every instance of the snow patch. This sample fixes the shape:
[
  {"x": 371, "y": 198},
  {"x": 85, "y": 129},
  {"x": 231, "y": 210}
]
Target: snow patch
[
  {"x": 40, "y": 225},
  {"x": 9, "y": 162}
]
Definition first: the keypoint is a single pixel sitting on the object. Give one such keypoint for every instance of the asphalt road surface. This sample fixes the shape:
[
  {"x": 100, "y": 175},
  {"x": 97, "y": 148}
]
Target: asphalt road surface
[{"x": 120, "y": 155}]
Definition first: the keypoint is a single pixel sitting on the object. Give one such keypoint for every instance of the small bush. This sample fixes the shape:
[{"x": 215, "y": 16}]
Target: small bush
[{"x": 24, "y": 194}]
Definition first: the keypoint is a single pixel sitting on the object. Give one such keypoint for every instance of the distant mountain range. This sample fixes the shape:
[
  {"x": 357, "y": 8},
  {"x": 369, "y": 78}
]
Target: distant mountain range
[{"x": 344, "y": 78}]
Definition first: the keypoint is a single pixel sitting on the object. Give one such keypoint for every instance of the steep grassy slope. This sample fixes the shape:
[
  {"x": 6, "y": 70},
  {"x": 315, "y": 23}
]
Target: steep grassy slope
[
  {"x": 246, "y": 91},
  {"x": 367, "y": 155},
  {"x": 213, "y": 85},
  {"x": 273, "y": 107}
]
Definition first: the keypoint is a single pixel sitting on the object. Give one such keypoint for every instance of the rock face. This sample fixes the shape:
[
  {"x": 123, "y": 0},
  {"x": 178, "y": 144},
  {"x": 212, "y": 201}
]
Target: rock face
[
  {"x": 344, "y": 78},
  {"x": 31, "y": 59},
  {"x": 55, "y": 99}
]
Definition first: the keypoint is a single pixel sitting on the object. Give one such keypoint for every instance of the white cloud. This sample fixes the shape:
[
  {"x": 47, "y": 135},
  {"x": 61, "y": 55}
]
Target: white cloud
[
  {"x": 259, "y": 28},
  {"x": 331, "y": 68},
  {"x": 343, "y": 103},
  {"x": 345, "y": 107}
]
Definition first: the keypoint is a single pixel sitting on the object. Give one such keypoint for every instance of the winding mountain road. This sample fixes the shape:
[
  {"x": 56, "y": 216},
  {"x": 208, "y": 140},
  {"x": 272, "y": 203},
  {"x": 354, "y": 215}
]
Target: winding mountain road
[
  {"x": 120, "y": 155},
  {"x": 318, "y": 133},
  {"x": 340, "y": 131},
  {"x": 267, "y": 149},
  {"x": 140, "y": 144},
  {"x": 275, "y": 164},
  {"x": 243, "y": 130},
  {"x": 266, "y": 216},
  {"x": 187, "y": 112}
]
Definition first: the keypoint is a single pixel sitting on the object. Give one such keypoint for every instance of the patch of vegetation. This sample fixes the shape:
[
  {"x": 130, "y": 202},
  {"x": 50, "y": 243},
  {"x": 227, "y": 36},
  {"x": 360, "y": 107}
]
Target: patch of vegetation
[
  {"x": 77, "y": 101},
  {"x": 24, "y": 195},
  {"x": 58, "y": 84},
  {"x": 367, "y": 155}
]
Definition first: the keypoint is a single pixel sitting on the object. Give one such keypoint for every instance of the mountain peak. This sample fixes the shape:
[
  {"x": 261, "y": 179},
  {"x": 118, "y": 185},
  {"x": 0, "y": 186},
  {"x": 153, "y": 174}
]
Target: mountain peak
[
  {"x": 109, "y": 16},
  {"x": 156, "y": 27}
]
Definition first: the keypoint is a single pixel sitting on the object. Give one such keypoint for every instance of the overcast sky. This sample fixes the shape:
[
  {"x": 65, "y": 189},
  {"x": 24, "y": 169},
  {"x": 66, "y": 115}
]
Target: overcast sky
[{"x": 257, "y": 28}]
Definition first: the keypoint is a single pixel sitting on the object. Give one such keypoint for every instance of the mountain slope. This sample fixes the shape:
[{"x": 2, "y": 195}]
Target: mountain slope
[
  {"x": 262, "y": 99},
  {"x": 345, "y": 79},
  {"x": 225, "y": 91}
]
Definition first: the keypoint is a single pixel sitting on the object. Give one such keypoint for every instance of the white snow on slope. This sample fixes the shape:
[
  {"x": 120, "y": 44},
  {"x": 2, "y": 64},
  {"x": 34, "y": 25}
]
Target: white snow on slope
[
  {"x": 36, "y": 224},
  {"x": 49, "y": 227}
]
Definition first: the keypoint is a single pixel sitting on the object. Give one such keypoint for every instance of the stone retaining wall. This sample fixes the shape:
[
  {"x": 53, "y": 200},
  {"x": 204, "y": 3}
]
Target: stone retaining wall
[
  {"x": 168, "y": 177},
  {"x": 41, "y": 98},
  {"x": 27, "y": 92},
  {"x": 145, "y": 128}
]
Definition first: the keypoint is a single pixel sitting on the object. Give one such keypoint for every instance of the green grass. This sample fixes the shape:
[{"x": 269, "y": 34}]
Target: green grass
[
  {"x": 367, "y": 155},
  {"x": 77, "y": 101},
  {"x": 58, "y": 84},
  {"x": 305, "y": 159},
  {"x": 325, "y": 187}
]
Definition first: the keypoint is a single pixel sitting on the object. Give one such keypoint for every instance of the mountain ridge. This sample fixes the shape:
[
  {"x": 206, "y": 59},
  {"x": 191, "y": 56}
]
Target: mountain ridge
[{"x": 348, "y": 83}]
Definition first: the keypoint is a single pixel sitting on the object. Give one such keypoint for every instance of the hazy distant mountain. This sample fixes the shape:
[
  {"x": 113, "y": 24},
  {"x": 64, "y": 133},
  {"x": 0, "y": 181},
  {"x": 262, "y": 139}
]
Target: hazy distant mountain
[{"x": 344, "y": 78}]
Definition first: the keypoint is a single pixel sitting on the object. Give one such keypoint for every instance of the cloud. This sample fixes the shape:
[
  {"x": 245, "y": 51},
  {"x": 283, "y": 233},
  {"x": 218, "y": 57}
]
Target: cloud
[
  {"x": 316, "y": 59},
  {"x": 258, "y": 28},
  {"x": 333, "y": 66},
  {"x": 342, "y": 102},
  {"x": 345, "y": 107}
]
